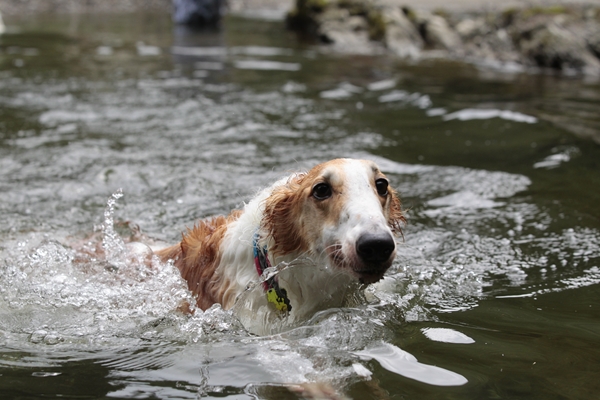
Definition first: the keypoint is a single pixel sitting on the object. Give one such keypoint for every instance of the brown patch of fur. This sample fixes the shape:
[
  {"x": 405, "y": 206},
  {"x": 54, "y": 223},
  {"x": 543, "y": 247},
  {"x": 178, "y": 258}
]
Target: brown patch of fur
[
  {"x": 282, "y": 219},
  {"x": 287, "y": 219},
  {"x": 391, "y": 205},
  {"x": 396, "y": 218},
  {"x": 198, "y": 255}
]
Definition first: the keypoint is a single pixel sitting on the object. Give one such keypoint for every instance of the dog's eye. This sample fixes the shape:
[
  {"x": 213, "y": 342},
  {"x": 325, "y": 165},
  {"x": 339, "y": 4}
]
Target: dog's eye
[
  {"x": 382, "y": 186},
  {"x": 322, "y": 191}
]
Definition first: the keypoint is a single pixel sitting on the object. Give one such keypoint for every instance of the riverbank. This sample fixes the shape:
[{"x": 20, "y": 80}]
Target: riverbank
[
  {"x": 560, "y": 37},
  {"x": 557, "y": 35},
  {"x": 20, "y": 7}
]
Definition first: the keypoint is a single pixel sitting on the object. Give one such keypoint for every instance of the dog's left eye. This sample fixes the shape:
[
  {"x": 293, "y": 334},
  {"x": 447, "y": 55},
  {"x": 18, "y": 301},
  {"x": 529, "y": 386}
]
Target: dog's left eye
[
  {"x": 322, "y": 191},
  {"x": 382, "y": 186}
]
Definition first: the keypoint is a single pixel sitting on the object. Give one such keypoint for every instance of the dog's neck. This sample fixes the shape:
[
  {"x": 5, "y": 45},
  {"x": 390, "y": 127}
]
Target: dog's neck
[
  {"x": 310, "y": 286},
  {"x": 310, "y": 283},
  {"x": 276, "y": 295}
]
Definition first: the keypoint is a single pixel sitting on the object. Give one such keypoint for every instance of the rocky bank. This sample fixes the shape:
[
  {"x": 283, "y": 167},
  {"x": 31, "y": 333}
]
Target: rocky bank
[
  {"x": 560, "y": 35},
  {"x": 564, "y": 38}
]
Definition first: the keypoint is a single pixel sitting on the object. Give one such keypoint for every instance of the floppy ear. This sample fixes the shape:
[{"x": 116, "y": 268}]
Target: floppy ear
[
  {"x": 282, "y": 217},
  {"x": 396, "y": 217}
]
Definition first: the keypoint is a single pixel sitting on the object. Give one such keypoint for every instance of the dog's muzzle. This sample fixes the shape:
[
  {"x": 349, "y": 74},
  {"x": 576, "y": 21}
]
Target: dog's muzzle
[{"x": 375, "y": 250}]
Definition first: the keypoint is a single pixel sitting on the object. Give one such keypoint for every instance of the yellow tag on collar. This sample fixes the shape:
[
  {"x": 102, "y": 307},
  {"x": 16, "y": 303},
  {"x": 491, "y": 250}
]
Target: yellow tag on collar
[{"x": 279, "y": 301}]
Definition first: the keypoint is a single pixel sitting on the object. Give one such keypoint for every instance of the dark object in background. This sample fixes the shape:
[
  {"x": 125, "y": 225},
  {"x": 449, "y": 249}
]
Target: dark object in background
[{"x": 197, "y": 12}]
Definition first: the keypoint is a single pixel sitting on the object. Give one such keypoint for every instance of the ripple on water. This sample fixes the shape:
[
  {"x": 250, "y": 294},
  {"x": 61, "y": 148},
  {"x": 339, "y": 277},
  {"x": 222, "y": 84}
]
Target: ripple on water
[
  {"x": 468, "y": 230},
  {"x": 96, "y": 304},
  {"x": 65, "y": 302}
]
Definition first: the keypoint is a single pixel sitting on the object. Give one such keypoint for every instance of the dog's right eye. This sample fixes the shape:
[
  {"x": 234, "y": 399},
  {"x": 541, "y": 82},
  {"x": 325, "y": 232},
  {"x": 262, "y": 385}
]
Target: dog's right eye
[{"x": 322, "y": 191}]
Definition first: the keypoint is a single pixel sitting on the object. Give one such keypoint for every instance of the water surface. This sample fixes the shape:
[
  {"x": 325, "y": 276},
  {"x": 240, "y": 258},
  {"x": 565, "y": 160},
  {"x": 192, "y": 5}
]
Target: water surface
[{"x": 494, "y": 293}]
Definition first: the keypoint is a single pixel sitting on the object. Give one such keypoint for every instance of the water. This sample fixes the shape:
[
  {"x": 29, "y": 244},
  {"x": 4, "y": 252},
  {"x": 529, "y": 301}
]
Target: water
[{"x": 125, "y": 127}]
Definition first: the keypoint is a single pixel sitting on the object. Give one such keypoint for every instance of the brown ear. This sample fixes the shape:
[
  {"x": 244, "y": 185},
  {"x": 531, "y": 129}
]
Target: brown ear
[
  {"x": 282, "y": 221},
  {"x": 396, "y": 218}
]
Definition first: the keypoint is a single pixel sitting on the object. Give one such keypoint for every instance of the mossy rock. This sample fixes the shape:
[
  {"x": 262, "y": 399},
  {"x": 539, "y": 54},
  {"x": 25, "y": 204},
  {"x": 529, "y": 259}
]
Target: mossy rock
[
  {"x": 410, "y": 14},
  {"x": 550, "y": 11},
  {"x": 312, "y": 5},
  {"x": 377, "y": 25}
]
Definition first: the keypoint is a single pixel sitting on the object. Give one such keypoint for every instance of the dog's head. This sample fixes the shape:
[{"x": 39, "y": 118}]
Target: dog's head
[{"x": 344, "y": 209}]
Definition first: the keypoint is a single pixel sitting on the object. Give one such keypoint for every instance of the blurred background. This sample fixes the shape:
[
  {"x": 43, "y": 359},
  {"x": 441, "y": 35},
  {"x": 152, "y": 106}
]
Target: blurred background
[{"x": 485, "y": 117}]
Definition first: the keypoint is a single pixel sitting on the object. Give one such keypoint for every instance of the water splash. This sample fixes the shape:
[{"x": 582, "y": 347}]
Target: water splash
[
  {"x": 97, "y": 294},
  {"x": 113, "y": 244},
  {"x": 467, "y": 231},
  {"x": 447, "y": 335},
  {"x": 399, "y": 361},
  {"x": 474, "y": 113}
]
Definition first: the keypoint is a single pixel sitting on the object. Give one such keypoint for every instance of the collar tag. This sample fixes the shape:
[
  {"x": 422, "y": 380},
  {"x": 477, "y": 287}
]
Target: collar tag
[
  {"x": 278, "y": 297},
  {"x": 275, "y": 294}
]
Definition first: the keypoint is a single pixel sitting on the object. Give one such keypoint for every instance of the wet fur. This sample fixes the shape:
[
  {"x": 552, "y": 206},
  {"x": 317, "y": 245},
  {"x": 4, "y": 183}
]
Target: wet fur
[
  {"x": 198, "y": 255},
  {"x": 216, "y": 258}
]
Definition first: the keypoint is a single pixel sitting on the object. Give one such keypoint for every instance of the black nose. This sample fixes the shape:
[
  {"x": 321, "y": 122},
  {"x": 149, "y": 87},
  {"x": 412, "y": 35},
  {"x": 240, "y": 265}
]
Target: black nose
[{"x": 375, "y": 247}]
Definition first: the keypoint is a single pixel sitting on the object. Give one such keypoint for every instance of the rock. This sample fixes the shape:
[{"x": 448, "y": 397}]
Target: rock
[
  {"x": 400, "y": 35},
  {"x": 348, "y": 25},
  {"x": 470, "y": 27},
  {"x": 491, "y": 46},
  {"x": 434, "y": 30},
  {"x": 197, "y": 12},
  {"x": 555, "y": 47},
  {"x": 440, "y": 35},
  {"x": 593, "y": 41},
  {"x": 557, "y": 42},
  {"x": 555, "y": 37},
  {"x": 347, "y": 31},
  {"x": 592, "y": 31},
  {"x": 2, "y": 26}
]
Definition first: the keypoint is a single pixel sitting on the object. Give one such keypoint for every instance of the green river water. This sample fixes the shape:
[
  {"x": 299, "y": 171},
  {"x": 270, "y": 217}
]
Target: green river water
[{"x": 497, "y": 280}]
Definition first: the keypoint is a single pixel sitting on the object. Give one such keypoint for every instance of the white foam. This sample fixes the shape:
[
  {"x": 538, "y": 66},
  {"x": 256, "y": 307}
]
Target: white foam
[
  {"x": 403, "y": 363},
  {"x": 435, "y": 112},
  {"x": 104, "y": 50},
  {"x": 395, "y": 95},
  {"x": 293, "y": 87},
  {"x": 447, "y": 335},
  {"x": 382, "y": 85},
  {"x": 267, "y": 65},
  {"x": 199, "y": 51},
  {"x": 555, "y": 160},
  {"x": 468, "y": 114},
  {"x": 337, "y": 94},
  {"x": 146, "y": 50},
  {"x": 261, "y": 51},
  {"x": 464, "y": 199}
]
